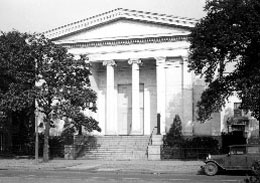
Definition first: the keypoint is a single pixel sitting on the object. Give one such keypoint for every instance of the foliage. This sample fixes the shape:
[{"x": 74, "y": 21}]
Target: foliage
[
  {"x": 56, "y": 146},
  {"x": 17, "y": 80},
  {"x": 17, "y": 73},
  {"x": 191, "y": 148},
  {"x": 174, "y": 136},
  {"x": 35, "y": 70},
  {"x": 228, "y": 35},
  {"x": 22, "y": 131},
  {"x": 233, "y": 138},
  {"x": 202, "y": 142},
  {"x": 256, "y": 177},
  {"x": 62, "y": 87}
]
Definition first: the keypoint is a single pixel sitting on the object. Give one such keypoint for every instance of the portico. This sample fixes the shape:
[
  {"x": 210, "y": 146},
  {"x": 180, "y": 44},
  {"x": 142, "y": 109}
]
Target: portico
[
  {"x": 134, "y": 92},
  {"x": 136, "y": 105}
]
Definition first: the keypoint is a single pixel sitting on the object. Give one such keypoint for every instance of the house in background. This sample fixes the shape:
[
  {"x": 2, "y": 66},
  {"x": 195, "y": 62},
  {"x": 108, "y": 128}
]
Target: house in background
[{"x": 139, "y": 70}]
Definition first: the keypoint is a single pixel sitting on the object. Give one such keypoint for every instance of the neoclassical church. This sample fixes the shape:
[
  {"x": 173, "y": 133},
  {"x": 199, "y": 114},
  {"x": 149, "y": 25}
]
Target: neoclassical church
[{"x": 139, "y": 70}]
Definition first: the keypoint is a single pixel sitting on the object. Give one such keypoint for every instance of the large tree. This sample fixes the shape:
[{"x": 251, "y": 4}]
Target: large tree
[
  {"x": 17, "y": 73},
  {"x": 33, "y": 70},
  {"x": 62, "y": 88},
  {"x": 229, "y": 34},
  {"x": 17, "y": 81}
]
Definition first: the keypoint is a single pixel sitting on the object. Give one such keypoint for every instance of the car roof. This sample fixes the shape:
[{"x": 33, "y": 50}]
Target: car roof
[{"x": 245, "y": 145}]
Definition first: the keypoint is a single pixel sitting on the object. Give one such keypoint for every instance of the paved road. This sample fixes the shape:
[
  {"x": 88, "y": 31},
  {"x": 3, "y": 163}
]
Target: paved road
[{"x": 69, "y": 176}]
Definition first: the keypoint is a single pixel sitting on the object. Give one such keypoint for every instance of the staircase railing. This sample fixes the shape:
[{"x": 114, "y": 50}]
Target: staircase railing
[{"x": 150, "y": 140}]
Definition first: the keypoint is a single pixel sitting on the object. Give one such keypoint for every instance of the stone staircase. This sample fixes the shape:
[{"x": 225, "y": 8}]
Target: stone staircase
[{"x": 112, "y": 147}]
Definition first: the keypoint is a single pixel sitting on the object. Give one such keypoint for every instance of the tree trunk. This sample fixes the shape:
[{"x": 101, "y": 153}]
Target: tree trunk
[
  {"x": 46, "y": 141},
  {"x": 36, "y": 136}
]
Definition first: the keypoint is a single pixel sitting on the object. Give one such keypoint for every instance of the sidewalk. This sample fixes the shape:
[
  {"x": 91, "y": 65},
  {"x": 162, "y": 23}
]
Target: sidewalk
[{"x": 140, "y": 166}]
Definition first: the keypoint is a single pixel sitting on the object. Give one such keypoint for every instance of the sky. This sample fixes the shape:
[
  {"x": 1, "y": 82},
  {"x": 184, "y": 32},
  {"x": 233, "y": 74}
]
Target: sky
[{"x": 42, "y": 15}]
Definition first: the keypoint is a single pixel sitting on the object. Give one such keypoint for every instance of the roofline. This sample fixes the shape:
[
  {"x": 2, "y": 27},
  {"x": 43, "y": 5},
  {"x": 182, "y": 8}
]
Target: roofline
[{"x": 119, "y": 13}]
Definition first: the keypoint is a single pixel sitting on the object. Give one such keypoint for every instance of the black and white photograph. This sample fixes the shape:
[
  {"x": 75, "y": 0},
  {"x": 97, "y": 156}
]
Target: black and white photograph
[{"x": 129, "y": 91}]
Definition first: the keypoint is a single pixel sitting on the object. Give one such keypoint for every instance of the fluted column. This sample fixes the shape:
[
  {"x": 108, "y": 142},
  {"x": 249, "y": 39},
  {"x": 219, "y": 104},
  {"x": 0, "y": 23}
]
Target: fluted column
[
  {"x": 136, "y": 122},
  {"x": 111, "y": 125},
  {"x": 160, "y": 83}
]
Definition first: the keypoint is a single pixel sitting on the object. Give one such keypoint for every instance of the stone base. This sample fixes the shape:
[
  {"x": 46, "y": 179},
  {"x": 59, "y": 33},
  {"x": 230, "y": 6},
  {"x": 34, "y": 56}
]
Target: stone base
[
  {"x": 157, "y": 140},
  {"x": 154, "y": 152},
  {"x": 154, "y": 157}
]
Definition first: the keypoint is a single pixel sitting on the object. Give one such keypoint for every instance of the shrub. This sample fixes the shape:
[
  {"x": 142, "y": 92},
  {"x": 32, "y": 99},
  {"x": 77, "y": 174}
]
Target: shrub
[
  {"x": 208, "y": 143},
  {"x": 174, "y": 137},
  {"x": 256, "y": 177}
]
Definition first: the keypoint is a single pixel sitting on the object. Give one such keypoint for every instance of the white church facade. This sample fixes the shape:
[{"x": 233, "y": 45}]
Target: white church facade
[{"x": 139, "y": 70}]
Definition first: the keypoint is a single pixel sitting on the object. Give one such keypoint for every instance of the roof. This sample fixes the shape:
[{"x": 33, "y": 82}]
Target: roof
[
  {"x": 245, "y": 145},
  {"x": 116, "y": 14}
]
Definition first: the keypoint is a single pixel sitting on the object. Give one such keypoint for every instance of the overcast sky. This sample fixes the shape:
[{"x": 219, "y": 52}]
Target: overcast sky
[{"x": 41, "y": 15}]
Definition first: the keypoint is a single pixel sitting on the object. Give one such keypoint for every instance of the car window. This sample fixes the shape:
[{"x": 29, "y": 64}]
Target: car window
[
  {"x": 237, "y": 150},
  {"x": 252, "y": 150}
]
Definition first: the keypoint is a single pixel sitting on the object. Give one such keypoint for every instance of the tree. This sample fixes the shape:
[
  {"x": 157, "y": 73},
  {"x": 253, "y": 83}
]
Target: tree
[
  {"x": 255, "y": 178},
  {"x": 16, "y": 73},
  {"x": 35, "y": 70},
  {"x": 174, "y": 136},
  {"x": 228, "y": 35},
  {"x": 62, "y": 88},
  {"x": 17, "y": 81}
]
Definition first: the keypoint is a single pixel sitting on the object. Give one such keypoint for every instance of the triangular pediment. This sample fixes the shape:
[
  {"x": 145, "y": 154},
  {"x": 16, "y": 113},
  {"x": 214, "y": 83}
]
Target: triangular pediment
[
  {"x": 123, "y": 29},
  {"x": 122, "y": 23}
]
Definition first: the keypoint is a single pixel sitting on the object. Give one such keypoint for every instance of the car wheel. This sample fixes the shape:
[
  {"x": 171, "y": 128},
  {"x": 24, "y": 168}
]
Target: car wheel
[{"x": 211, "y": 169}]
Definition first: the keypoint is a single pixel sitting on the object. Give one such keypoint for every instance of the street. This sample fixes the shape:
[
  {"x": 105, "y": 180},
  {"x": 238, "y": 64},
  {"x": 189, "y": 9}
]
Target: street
[{"x": 70, "y": 176}]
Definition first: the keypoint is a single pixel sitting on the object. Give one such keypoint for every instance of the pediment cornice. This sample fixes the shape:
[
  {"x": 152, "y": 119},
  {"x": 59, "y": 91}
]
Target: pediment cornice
[
  {"x": 119, "y": 14},
  {"x": 122, "y": 41}
]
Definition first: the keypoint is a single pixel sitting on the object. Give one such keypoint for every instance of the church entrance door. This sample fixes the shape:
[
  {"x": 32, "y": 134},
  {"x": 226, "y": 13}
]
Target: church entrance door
[{"x": 125, "y": 108}]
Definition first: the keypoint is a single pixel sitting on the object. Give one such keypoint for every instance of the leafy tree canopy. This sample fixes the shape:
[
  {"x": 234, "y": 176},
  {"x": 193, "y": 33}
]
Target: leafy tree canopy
[
  {"x": 62, "y": 87},
  {"x": 228, "y": 35},
  {"x": 34, "y": 70},
  {"x": 17, "y": 73}
]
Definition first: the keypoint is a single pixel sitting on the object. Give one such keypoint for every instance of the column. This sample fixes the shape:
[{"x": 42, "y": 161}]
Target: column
[
  {"x": 136, "y": 123},
  {"x": 111, "y": 127},
  {"x": 187, "y": 97},
  {"x": 160, "y": 84}
]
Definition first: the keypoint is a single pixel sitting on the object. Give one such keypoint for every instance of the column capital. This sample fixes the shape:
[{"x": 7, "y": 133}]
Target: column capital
[
  {"x": 109, "y": 62},
  {"x": 184, "y": 58},
  {"x": 134, "y": 61},
  {"x": 160, "y": 60}
]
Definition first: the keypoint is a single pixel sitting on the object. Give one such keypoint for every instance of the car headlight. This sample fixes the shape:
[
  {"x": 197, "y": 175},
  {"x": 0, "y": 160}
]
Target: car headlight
[{"x": 209, "y": 157}]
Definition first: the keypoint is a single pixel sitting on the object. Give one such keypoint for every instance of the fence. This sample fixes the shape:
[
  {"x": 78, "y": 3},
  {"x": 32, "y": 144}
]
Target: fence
[
  {"x": 168, "y": 152},
  {"x": 28, "y": 151}
]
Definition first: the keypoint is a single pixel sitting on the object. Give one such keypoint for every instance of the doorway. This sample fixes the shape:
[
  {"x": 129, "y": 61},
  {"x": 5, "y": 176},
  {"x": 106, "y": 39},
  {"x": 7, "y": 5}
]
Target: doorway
[{"x": 125, "y": 108}]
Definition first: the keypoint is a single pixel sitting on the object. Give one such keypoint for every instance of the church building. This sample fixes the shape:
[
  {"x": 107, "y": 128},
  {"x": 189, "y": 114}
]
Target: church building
[{"x": 139, "y": 70}]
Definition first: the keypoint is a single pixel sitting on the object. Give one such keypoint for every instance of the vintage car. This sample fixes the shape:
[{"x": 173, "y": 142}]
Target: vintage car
[{"x": 240, "y": 157}]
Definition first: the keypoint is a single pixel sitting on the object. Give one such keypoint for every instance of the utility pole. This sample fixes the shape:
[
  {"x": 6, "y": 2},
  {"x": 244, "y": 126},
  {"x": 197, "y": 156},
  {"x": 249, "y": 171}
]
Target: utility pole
[{"x": 36, "y": 137}]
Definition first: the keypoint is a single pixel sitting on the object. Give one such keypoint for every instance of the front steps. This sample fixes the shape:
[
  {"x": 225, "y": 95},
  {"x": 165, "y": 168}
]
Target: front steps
[{"x": 111, "y": 147}]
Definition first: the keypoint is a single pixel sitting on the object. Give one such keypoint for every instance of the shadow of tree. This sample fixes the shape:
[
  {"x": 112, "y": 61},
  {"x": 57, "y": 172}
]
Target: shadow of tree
[{"x": 84, "y": 144}]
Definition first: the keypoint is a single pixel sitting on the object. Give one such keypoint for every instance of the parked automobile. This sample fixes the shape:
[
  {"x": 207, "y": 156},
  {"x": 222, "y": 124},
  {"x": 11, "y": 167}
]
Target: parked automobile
[{"x": 240, "y": 157}]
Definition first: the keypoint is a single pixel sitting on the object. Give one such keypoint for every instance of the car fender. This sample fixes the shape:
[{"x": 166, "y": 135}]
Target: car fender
[{"x": 213, "y": 161}]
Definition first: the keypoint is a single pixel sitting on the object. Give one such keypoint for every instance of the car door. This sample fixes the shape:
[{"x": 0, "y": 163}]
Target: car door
[
  {"x": 252, "y": 155},
  {"x": 238, "y": 158},
  {"x": 238, "y": 162}
]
